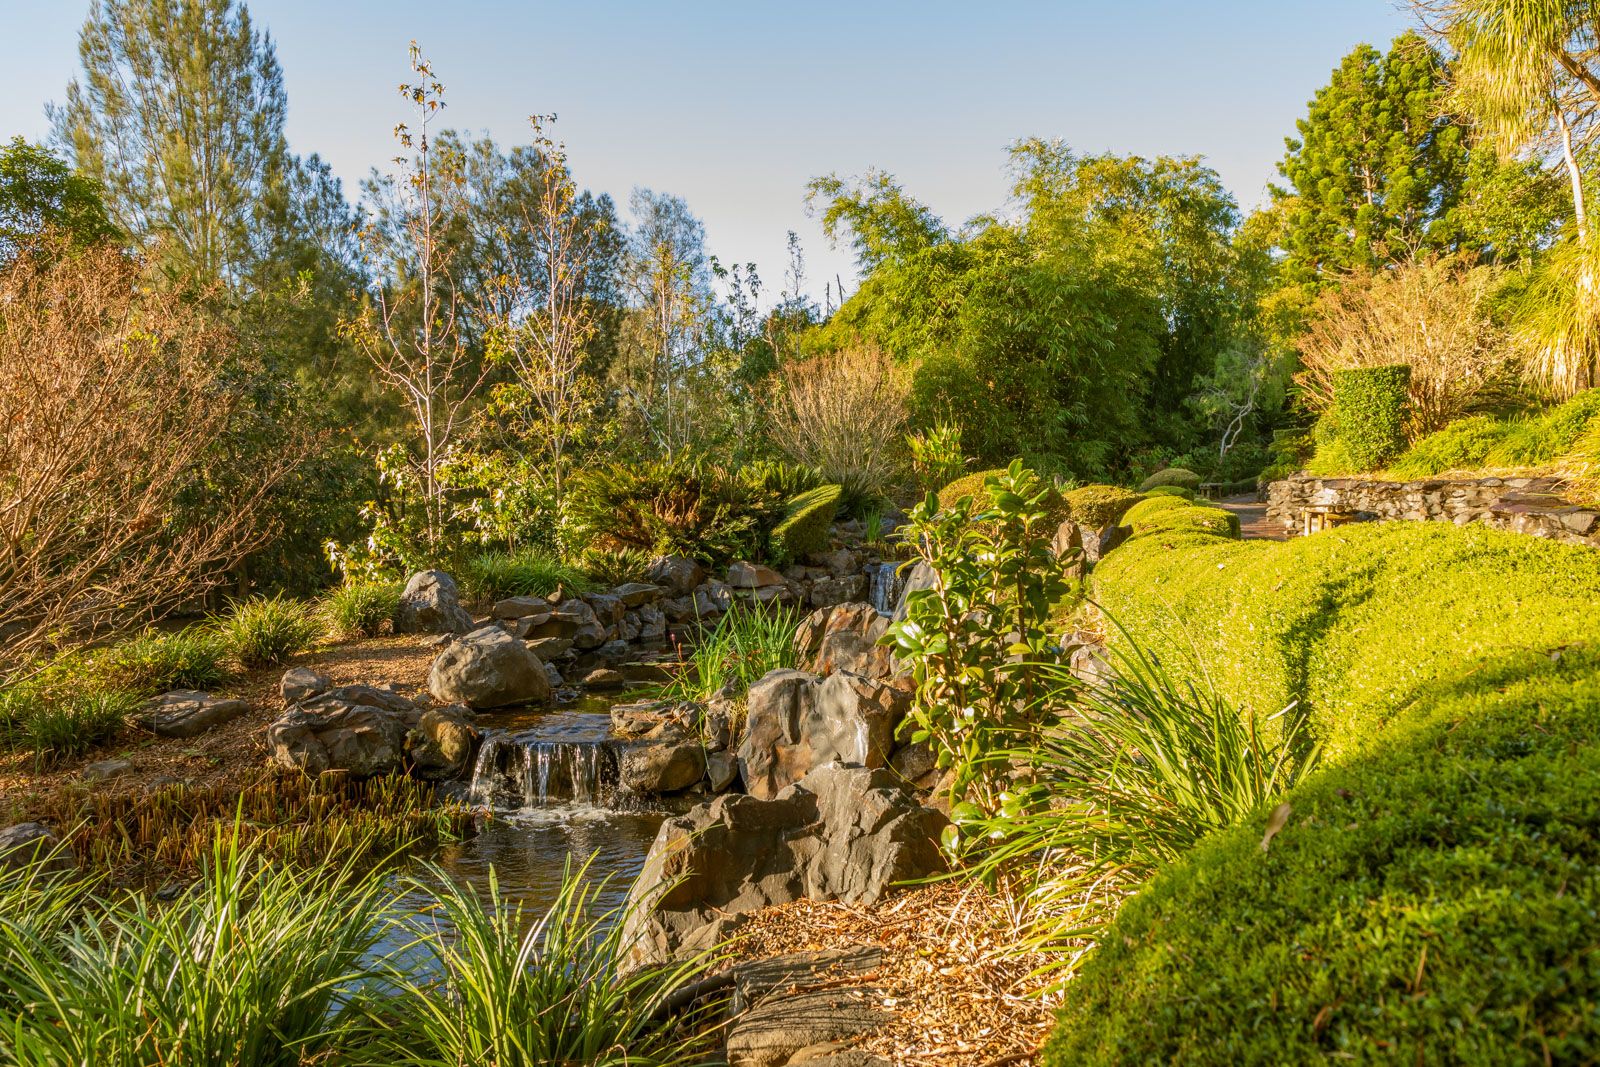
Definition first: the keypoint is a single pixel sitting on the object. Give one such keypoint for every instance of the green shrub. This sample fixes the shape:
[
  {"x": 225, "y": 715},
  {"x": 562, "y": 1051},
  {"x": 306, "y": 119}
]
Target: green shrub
[
  {"x": 265, "y": 631},
  {"x": 1171, "y": 490},
  {"x": 154, "y": 662},
  {"x": 778, "y": 478},
  {"x": 1187, "y": 479},
  {"x": 1583, "y": 463},
  {"x": 1544, "y": 439},
  {"x": 806, "y": 523},
  {"x": 671, "y": 509},
  {"x": 1056, "y": 508},
  {"x": 1145, "y": 510},
  {"x": 1099, "y": 505},
  {"x": 1431, "y": 901},
  {"x": 62, "y": 725},
  {"x": 1463, "y": 445},
  {"x": 609, "y": 568},
  {"x": 1192, "y": 519},
  {"x": 526, "y": 572},
  {"x": 361, "y": 609},
  {"x": 1369, "y": 405}
]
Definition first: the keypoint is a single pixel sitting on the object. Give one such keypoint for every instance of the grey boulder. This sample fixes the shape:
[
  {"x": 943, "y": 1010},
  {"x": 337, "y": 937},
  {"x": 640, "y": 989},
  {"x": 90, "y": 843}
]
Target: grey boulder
[
  {"x": 358, "y": 739},
  {"x": 431, "y": 604},
  {"x": 187, "y": 713},
  {"x": 488, "y": 668},
  {"x": 797, "y": 722},
  {"x": 441, "y": 745},
  {"x": 302, "y": 683},
  {"x": 29, "y": 843}
]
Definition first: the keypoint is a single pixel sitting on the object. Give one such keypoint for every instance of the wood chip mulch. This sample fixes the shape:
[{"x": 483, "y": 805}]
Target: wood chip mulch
[{"x": 959, "y": 992}]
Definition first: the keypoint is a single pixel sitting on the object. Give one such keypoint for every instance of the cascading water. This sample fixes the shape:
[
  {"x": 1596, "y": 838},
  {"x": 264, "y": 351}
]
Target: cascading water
[
  {"x": 565, "y": 759},
  {"x": 887, "y": 583}
]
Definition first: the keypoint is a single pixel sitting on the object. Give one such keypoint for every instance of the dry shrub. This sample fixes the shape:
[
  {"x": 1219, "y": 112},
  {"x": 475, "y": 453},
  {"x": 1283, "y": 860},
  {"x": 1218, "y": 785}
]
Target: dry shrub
[
  {"x": 115, "y": 407},
  {"x": 844, "y": 414},
  {"x": 1431, "y": 314}
]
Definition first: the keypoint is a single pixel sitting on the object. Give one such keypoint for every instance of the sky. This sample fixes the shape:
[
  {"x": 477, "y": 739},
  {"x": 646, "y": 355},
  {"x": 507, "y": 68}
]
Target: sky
[{"x": 734, "y": 106}]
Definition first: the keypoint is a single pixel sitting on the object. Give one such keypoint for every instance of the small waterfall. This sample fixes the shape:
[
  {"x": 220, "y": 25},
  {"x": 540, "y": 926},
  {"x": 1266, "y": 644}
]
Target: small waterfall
[
  {"x": 528, "y": 772},
  {"x": 887, "y": 583}
]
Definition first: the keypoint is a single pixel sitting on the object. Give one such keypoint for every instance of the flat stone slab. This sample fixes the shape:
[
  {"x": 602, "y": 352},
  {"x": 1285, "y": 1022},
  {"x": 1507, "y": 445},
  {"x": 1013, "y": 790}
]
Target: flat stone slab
[
  {"x": 759, "y": 979},
  {"x": 771, "y": 1032},
  {"x": 188, "y": 713}
]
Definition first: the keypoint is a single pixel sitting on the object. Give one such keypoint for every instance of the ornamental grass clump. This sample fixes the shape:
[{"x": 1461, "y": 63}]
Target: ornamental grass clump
[
  {"x": 525, "y": 572},
  {"x": 153, "y": 662},
  {"x": 265, "y": 631},
  {"x": 361, "y": 608},
  {"x": 748, "y": 643}
]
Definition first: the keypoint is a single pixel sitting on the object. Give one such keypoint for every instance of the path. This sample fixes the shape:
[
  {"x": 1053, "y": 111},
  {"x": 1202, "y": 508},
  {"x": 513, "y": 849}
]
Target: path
[{"x": 1253, "y": 521}]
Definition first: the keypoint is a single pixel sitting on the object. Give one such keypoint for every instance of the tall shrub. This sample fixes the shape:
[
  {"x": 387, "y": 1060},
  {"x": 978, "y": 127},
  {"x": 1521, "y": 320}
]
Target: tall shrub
[
  {"x": 843, "y": 414},
  {"x": 1369, "y": 412}
]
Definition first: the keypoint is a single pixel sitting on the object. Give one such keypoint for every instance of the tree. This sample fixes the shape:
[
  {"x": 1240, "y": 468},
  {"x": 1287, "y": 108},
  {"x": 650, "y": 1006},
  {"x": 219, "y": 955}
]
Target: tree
[
  {"x": 412, "y": 328},
  {"x": 113, "y": 426},
  {"x": 179, "y": 117},
  {"x": 883, "y": 223},
  {"x": 40, "y": 195}
]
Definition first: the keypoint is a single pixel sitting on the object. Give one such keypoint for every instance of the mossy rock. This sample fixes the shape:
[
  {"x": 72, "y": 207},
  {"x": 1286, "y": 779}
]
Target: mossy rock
[
  {"x": 1099, "y": 505},
  {"x": 1171, "y": 490},
  {"x": 1172, "y": 476},
  {"x": 807, "y": 520},
  {"x": 1056, "y": 507}
]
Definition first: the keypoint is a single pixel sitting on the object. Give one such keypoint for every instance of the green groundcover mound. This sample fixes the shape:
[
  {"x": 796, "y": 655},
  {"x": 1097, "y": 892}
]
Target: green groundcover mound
[{"x": 1433, "y": 896}]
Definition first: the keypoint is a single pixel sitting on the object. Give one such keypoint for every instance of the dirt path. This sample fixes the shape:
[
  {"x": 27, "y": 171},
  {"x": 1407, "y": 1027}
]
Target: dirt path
[{"x": 1253, "y": 522}]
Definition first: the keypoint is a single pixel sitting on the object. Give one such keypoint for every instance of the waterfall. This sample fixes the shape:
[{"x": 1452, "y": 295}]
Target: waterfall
[
  {"x": 887, "y": 583},
  {"x": 526, "y": 771}
]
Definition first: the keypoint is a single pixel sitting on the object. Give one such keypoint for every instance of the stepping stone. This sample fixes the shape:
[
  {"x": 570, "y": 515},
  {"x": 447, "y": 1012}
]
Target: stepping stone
[{"x": 187, "y": 713}]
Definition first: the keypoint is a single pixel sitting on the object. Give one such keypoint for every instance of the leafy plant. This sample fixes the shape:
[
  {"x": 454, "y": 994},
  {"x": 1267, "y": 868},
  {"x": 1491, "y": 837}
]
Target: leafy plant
[
  {"x": 528, "y": 572},
  {"x": 361, "y": 608},
  {"x": 609, "y": 568},
  {"x": 979, "y": 642},
  {"x": 1462, "y": 446},
  {"x": 1370, "y": 410},
  {"x": 936, "y": 456},
  {"x": 154, "y": 662},
  {"x": 669, "y": 508},
  {"x": 748, "y": 643},
  {"x": 61, "y": 725},
  {"x": 1172, "y": 476},
  {"x": 264, "y": 631}
]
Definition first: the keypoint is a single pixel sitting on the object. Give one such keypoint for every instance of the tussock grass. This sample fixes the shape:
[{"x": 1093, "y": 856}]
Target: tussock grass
[
  {"x": 749, "y": 642},
  {"x": 361, "y": 609},
  {"x": 265, "y": 631}
]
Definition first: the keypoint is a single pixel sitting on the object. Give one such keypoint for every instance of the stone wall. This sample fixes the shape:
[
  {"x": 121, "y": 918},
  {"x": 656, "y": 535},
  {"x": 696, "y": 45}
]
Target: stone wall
[{"x": 1527, "y": 505}]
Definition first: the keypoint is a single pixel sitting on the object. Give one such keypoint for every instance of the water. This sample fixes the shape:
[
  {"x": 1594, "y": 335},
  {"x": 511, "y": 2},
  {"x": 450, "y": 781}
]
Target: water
[
  {"x": 887, "y": 584},
  {"x": 567, "y": 757}
]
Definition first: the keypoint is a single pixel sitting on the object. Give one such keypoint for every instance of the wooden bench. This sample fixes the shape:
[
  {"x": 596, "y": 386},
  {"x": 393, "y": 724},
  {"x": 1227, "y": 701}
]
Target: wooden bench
[
  {"x": 1211, "y": 490},
  {"x": 1323, "y": 517}
]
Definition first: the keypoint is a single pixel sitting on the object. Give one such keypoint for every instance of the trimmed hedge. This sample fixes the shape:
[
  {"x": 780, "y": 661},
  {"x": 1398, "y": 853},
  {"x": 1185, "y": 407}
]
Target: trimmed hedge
[
  {"x": 1369, "y": 412},
  {"x": 1099, "y": 505},
  {"x": 1191, "y": 519},
  {"x": 1172, "y": 476},
  {"x": 1170, "y": 490},
  {"x": 808, "y": 518},
  {"x": 1431, "y": 896}
]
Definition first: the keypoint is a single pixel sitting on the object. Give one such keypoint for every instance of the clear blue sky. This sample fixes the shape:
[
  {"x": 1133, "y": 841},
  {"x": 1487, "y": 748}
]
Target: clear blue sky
[{"x": 735, "y": 105}]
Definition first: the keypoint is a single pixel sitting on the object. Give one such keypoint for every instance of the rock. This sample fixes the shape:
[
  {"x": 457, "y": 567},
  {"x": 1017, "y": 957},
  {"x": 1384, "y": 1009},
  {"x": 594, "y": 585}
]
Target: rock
[
  {"x": 716, "y": 723},
  {"x": 678, "y": 575},
  {"x": 922, "y": 577},
  {"x": 187, "y": 713},
  {"x": 841, "y": 562},
  {"x": 636, "y": 594},
  {"x": 661, "y": 766},
  {"x": 604, "y": 678},
  {"x": 722, "y": 770},
  {"x": 797, "y": 723},
  {"x": 350, "y": 739},
  {"x": 832, "y": 1054},
  {"x": 712, "y": 599},
  {"x": 520, "y": 607},
  {"x": 30, "y": 842},
  {"x": 105, "y": 769},
  {"x": 550, "y": 672},
  {"x": 757, "y": 980},
  {"x": 678, "y": 609},
  {"x": 1096, "y": 541},
  {"x": 743, "y": 575},
  {"x": 431, "y": 604},
  {"x": 778, "y": 1028},
  {"x": 608, "y": 607},
  {"x": 302, "y": 683},
  {"x": 549, "y": 648},
  {"x": 844, "y": 833},
  {"x": 587, "y": 631},
  {"x": 648, "y": 716},
  {"x": 440, "y": 746},
  {"x": 915, "y": 764},
  {"x": 366, "y": 695},
  {"x": 488, "y": 668},
  {"x": 827, "y": 592},
  {"x": 845, "y": 638},
  {"x": 1089, "y": 665},
  {"x": 652, "y": 623}
]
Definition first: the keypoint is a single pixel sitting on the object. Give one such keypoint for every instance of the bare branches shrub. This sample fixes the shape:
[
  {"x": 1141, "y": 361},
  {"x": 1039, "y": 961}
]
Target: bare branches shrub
[
  {"x": 1432, "y": 314},
  {"x": 844, "y": 414},
  {"x": 116, "y": 401}
]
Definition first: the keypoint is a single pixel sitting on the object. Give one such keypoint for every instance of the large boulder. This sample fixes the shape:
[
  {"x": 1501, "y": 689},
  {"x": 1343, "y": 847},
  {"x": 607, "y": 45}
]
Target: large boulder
[
  {"x": 431, "y": 604},
  {"x": 797, "y": 722},
  {"x": 187, "y": 713},
  {"x": 827, "y": 592},
  {"x": 845, "y": 638},
  {"x": 655, "y": 766},
  {"x": 302, "y": 683},
  {"x": 742, "y": 575},
  {"x": 441, "y": 745},
  {"x": 844, "y": 833},
  {"x": 922, "y": 577},
  {"x": 357, "y": 739},
  {"x": 488, "y": 668},
  {"x": 677, "y": 574}
]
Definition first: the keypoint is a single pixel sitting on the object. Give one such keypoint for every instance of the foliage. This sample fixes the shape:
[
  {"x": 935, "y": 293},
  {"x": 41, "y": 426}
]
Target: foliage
[
  {"x": 1099, "y": 505},
  {"x": 40, "y": 196},
  {"x": 1183, "y": 492},
  {"x": 807, "y": 520},
  {"x": 936, "y": 456},
  {"x": 526, "y": 572},
  {"x": 1464, "y": 445},
  {"x": 748, "y": 643},
  {"x": 264, "y": 631},
  {"x": 114, "y": 424},
  {"x": 669, "y": 508},
  {"x": 1434, "y": 315},
  {"x": 68, "y": 724},
  {"x": 843, "y": 414},
  {"x": 1370, "y": 413},
  {"x": 975, "y": 485},
  {"x": 1461, "y": 836},
  {"x": 361, "y": 608},
  {"x": 609, "y": 568},
  {"x": 978, "y": 642},
  {"x": 1152, "y": 507},
  {"x": 1172, "y": 476},
  {"x": 774, "y": 477},
  {"x": 156, "y": 662},
  {"x": 1336, "y": 623},
  {"x": 1481, "y": 443},
  {"x": 1188, "y": 519}
]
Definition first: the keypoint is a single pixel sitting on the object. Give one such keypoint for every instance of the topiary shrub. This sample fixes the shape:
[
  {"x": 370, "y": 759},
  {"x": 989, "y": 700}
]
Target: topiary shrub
[
  {"x": 1369, "y": 411},
  {"x": 805, "y": 527},
  {"x": 1149, "y": 507},
  {"x": 1462, "y": 446},
  {"x": 1172, "y": 476},
  {"x": 1192, "y": 519},
  {"x": 1099, "y": 505},
  {"x": 1170, "y": 490}
]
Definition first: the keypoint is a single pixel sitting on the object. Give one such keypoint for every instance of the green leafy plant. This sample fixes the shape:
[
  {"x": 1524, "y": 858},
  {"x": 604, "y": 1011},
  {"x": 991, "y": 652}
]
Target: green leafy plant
[
  {"x": 155, "y": 662},
  {"x": 936, "y": 456},
  {"x": 1170, "y": 490},
  {"x": 361, "y": 609},
  {"x": 1055, "y": 505},
  {"x": 264, "y": 631},
  {"x": 671, "y": 509},
  {"x": 748, "y": 643},
  {"x": 1369, "y": 410},
  {"x": 1099, "y": 505},
  {"x": 1462, "y": 446},
  {"x": 61, "y": 725},
  {"x": 527, "y": 572},
  {"x": 1171, "y": 476},
  {"x": 979, "y": 643},
  {"x": 806, "y": 522},
  {"x": 609, "y": 568}
]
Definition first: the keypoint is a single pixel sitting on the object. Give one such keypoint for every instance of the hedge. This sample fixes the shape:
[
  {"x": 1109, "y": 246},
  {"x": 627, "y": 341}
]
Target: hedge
[
  {"x": 1171, "y": 490},
  {"x": 808, "y": 518},
  {"x": 1172, "y": 476},
  {"x": 1432, "y": 896},
  {"x": 1369, "y": 413},
  {"x": 1099, "y": 505}
]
